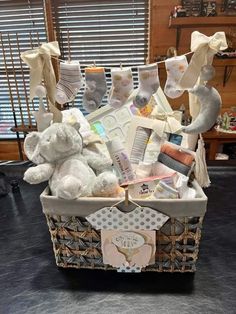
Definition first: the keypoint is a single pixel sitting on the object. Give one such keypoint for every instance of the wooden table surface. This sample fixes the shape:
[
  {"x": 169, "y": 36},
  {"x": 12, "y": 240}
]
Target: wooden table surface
[{"x": 215, "y": 138}]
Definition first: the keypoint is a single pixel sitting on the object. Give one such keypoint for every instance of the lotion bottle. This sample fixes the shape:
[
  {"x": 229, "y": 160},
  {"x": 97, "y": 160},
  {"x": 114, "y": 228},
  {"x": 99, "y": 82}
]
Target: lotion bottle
[{"x": 120, "y": 159}]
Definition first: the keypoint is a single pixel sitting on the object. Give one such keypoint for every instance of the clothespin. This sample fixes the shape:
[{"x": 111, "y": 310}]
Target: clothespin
[
  {"x": 94, "y": 64},
  {"x": 126, "y": 196},
  {"x": 171, "y": 52},
  {"x": 121, "y": 65}
]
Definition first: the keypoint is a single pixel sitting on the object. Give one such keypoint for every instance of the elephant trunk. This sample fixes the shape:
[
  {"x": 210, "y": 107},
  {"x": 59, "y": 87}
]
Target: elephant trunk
[{"x": 63, "y": 140}]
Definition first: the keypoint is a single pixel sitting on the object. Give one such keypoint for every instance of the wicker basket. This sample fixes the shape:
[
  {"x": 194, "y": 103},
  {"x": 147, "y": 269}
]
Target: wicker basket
[{"x": 76, "y": 244}]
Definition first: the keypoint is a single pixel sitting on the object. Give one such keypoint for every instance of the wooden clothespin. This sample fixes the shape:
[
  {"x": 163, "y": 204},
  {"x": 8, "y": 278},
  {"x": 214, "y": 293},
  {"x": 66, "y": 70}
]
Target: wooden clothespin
[
  {"x": 126, "y": 196},
  {"x": 171, "y": 52}
]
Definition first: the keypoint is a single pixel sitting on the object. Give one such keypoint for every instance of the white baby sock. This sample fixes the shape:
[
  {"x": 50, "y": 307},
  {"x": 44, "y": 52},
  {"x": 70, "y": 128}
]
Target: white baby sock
[
  {"x": 122, "y": 87},
  {"x": 96, "y": 88},
  {"x": 148, "y": 84},
  {"x": 175, "y": 68},
  {"x": 70, "y": 82}
]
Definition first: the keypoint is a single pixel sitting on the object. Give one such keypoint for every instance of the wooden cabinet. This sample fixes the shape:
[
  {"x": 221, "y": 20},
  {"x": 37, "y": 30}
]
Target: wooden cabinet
[
  {"x": 215, "y": 139},
  {"x": 195, "y": 22}
]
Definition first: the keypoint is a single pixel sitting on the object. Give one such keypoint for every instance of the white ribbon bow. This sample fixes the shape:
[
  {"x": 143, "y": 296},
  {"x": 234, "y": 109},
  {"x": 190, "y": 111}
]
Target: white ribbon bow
[
  {"x": 168, "y": 121},
  {"x": 216, "y": 42},
  {"x": 204, "y": 49},
  {"x": 39, "y": 61},
  {"x": 171, "y": 124}
]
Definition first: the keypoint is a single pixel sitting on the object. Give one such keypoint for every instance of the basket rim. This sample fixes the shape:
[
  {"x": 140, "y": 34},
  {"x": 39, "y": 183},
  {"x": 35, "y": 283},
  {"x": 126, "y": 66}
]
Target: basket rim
[{"x": 86, "y": 205}]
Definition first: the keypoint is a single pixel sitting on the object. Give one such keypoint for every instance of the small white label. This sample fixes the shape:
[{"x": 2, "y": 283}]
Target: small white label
[{"x": 128, "y": 240}]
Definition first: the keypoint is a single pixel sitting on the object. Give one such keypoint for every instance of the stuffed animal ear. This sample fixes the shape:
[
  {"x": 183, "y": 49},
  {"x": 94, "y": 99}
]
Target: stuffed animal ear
[
  {"x": 76, "y": 125},
  {"x": 31, "y": 148}
]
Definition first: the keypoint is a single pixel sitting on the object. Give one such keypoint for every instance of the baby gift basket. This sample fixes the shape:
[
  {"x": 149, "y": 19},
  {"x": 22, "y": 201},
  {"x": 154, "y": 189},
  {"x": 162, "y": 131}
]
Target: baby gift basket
[
  {"x": 76, "y": 243},
  {"x": 125, "y": 182}
]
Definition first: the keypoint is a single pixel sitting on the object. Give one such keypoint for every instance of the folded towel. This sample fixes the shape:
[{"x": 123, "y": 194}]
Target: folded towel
[
  {"x": 177, "y": 154},
  {"x": 174, "y": 164}
]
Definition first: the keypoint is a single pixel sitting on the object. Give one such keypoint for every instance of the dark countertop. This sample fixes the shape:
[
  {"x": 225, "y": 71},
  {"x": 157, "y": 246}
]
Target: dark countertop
[{"x": 30, "y": 281}]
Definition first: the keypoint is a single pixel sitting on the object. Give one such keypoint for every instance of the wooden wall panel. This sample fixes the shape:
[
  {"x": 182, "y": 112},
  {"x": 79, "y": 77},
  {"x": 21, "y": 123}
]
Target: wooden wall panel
[
  {"x": 9, "y": 150},
  {"x": 162, "y": 37}
]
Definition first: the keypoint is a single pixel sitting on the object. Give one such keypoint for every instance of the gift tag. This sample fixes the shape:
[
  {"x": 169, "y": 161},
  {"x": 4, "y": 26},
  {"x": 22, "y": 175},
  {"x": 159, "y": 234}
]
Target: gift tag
[
  {"x": 128, "y": 239},
  {"x": 128, "y": 251},
  {"x": 141, "y": 218}
]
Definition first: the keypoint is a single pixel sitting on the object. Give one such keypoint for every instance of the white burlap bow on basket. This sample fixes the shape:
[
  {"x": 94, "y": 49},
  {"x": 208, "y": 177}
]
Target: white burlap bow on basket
[{"x": 172, "y": 125}]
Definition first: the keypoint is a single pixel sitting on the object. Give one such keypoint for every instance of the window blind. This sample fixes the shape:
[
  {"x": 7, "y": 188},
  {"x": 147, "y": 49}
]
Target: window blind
[
  {"x": 22, "y": 24},
  {"x": 108, "y": 33},
  {"x": 104, "y": 32}
]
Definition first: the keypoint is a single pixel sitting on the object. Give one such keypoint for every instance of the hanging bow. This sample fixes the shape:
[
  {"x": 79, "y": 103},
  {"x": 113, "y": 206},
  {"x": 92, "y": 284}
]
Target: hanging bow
[
  {"x": 204, "y": 49},
  {"x": 166, "y": 121},
  {"x": 172, "y": 125},
  {"x": 39, "y": 61}
]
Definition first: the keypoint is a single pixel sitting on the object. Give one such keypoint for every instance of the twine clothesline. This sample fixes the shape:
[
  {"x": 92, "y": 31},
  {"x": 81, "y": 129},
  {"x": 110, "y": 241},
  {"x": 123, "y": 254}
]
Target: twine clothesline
[{"x": 110, "y": 68}]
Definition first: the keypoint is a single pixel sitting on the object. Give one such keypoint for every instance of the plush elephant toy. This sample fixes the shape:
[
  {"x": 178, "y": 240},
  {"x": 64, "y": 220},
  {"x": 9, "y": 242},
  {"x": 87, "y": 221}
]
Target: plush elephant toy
[{"x": 71, "y": 169}]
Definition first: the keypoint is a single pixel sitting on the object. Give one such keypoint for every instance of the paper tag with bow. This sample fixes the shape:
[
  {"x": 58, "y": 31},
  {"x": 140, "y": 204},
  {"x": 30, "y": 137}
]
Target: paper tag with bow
[{"x": 128, "y": 239}]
